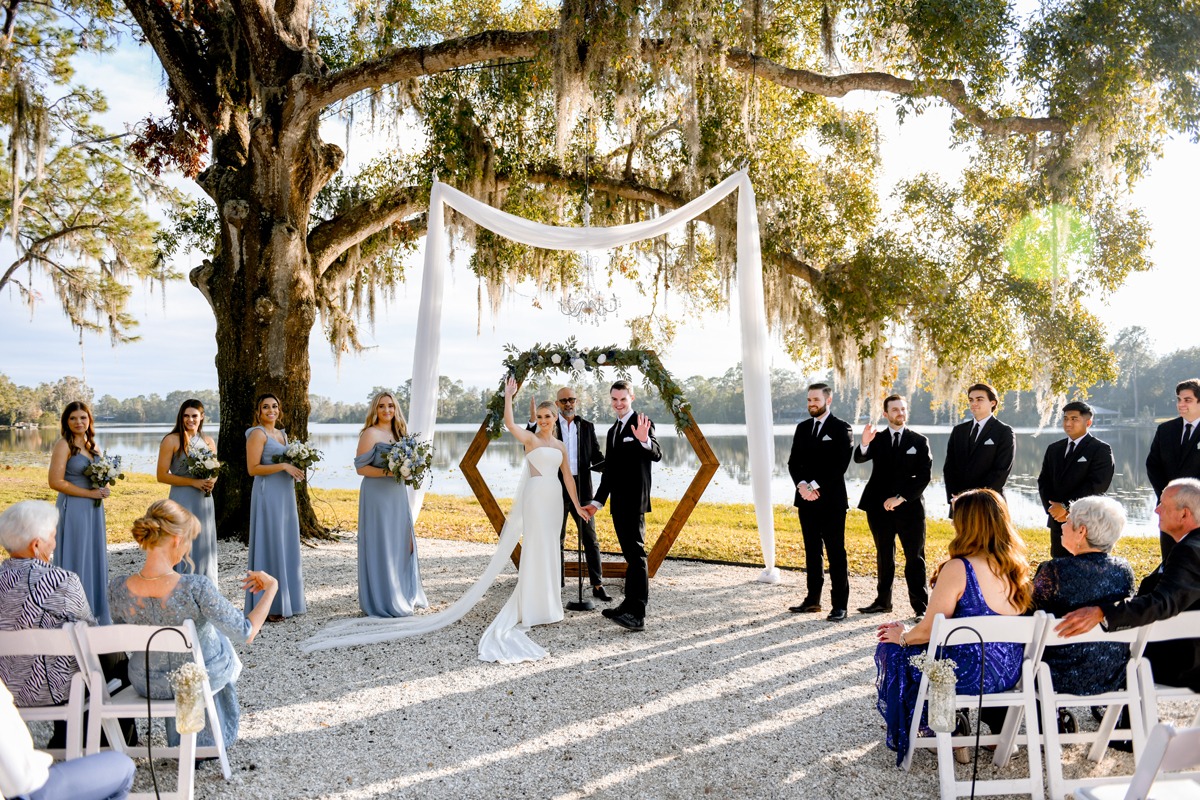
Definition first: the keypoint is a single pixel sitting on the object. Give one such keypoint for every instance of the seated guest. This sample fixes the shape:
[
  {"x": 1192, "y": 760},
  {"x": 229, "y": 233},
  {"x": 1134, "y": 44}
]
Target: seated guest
[
  {"x": 986, "y": 574},
  {"x": 158, "y": 595},
  {"x": 29, "y": 773},
  {"x": 36, "y": 594},
  {"x": 1088, "y": 576},
  {"x": 1172, "y": 588}
]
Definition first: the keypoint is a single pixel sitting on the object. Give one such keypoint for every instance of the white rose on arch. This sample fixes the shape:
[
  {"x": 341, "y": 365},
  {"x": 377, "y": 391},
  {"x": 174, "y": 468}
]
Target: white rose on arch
[
  {"x": 600, "y": 359},
  {"x": 556, "y": 358},
  {"x": 578, "y": 364}
]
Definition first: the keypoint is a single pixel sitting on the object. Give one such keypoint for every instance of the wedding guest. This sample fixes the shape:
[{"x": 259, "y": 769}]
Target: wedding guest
[
  {"x": 389, "y": 577},
  {"x": 194, "y": 494},
  {"x": 1175, "y": 451},
  {"x": 82, "y": 545},
  {"x": 986, "y": 574},
  {"x": 1079, "y": 466},
  {"x": 274, "y": 521},
  {"x": 32, "y": 774},
  {"x": 979, "y": 454},
  {"x": 157, "y": 594},
  {"x": 1088, "y": 576}
]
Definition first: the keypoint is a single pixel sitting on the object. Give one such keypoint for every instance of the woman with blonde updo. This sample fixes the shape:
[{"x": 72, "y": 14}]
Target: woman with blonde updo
[{"x": 158, "y": 595}]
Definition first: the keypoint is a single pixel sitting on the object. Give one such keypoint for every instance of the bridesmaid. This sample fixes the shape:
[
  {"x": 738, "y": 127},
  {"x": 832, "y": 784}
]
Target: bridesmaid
[
  {"x": 389, "y": 578},
  {"x": 190, "y": 492},
  {"x": 274, "y": 522},
  {"x": 82, "y": 547}
]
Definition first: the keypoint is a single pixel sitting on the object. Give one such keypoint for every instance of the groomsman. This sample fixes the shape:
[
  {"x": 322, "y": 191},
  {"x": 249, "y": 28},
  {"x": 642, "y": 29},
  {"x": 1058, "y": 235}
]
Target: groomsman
[
  {"x": 1175, "y": 451},
  {"x": 818, "y": 461},
  {"x": 583, "y": 456},
  {"x": 980, "y": 452},
  {"x": 630, "y": 449},
  {"x": 895, "y": 504},
  {"x": 1079, "y": 466}
]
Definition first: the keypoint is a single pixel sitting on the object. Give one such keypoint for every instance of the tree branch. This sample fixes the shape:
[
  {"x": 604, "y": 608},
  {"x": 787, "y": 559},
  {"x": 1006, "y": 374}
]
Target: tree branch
[
  {"x": 182, "y": 58},
  {"x": 264, "y": 36},
  {"x": 329, "y": 240}
]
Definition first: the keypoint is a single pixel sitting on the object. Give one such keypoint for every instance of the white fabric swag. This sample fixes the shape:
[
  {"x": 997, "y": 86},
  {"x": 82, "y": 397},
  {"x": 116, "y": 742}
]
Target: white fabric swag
[{"x": 756, "y": 380}]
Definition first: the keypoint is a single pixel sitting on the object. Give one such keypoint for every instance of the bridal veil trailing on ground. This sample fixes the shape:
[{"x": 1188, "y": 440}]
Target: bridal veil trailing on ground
[{"x": 423, "y": 410}]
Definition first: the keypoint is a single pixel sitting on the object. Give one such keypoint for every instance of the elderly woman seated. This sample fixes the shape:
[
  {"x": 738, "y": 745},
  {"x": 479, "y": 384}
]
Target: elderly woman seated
[
  {"x": 1087, "y": 577},
  {"x": 36, "y": 594}
]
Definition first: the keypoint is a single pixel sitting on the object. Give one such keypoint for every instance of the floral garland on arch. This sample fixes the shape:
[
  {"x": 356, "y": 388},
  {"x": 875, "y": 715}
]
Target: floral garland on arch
[{"x": 570, "y": 357}]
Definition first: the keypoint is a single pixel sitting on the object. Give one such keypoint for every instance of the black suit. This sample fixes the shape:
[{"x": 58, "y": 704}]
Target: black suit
[
  {"x": 898, "y": 472},
  {"x": 823, "y": 458},
  {"x": 1173, "y": 588},
  {"x": 590, "y": 458},
  {"x": 984, "y": 464},
  {"x": 626, "y": 480},
  {"x": 1088, "y": 472},
  {"x": 1170, "y": 458}
]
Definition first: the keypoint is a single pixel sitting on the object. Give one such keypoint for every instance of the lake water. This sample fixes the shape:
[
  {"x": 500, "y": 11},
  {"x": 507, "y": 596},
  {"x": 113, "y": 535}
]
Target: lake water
[{"x": 500, "y": 463}]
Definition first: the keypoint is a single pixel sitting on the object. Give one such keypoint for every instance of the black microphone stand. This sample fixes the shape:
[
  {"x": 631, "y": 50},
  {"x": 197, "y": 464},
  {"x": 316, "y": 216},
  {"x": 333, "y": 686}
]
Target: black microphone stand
[{"x": 580, "y": 604}]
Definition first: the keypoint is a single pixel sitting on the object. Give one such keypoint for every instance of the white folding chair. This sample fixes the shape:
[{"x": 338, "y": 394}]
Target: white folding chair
[
  {"x": 1180, "y": 626},
  {"x": 105, "y": 710},
  {"x": 1167, "y": 750},
  {"x": 1020, "y": 702},
  {"x": 1052, "y": 700},
  {"x": 53, "y": 642}
]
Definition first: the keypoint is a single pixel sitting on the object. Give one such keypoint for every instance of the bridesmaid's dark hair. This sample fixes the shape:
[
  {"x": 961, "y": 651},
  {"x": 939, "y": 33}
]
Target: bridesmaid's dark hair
[
  {"x": 89, "y": 436},
  {"x": 399, "y": 425},
  {"x": 258, "y": 402},
  {"x": 178, "y": 429}
]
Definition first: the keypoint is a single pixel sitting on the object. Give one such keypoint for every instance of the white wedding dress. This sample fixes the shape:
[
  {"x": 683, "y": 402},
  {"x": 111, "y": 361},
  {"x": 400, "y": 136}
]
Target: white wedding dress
[{"x": 535, "y": 519}]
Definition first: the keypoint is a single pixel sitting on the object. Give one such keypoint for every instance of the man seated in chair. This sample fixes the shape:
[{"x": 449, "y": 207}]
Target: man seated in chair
[{"x": 1171, "y": 589}]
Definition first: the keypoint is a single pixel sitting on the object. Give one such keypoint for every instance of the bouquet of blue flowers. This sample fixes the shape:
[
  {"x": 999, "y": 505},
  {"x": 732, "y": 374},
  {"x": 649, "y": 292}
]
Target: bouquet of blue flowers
[{"x": 410, "y": 459}]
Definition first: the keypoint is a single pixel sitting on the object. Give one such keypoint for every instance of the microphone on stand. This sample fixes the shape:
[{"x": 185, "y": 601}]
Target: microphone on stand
[{"x": 580, "y": 604}]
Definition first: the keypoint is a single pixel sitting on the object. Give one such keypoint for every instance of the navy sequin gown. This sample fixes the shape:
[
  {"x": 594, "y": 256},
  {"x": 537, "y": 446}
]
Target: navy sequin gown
[
  {"x": 1062, "y": 585},
  {"x": 898, "y": 681}
]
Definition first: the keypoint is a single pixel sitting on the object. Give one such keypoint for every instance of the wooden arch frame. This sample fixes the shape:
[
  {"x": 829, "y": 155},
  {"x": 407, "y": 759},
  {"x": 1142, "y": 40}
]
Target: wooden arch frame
[{"x": 569, "y": 357}]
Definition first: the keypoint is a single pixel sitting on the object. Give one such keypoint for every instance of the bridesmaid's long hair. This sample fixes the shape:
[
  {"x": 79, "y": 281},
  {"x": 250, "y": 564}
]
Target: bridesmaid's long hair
[
  {"x": 399, "y": 425},
  {"x": 69, "y": 435},
  {"x": 982, "y": 526},
  {"x": 258, "y": 402},
  {"x": 178, "y": 429}
]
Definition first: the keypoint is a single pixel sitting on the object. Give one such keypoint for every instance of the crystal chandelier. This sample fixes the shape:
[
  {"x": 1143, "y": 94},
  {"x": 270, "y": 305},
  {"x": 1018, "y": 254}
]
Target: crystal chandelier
[{"x": 587, "y": 303}]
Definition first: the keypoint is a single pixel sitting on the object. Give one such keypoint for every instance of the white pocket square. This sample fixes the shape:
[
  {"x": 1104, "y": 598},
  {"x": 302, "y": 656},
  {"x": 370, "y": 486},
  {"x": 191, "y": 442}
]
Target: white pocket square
[
  {"x": 627, "y": 439},
  {"x": 826, "y": 439},
  {"x": 912, "y": 451},
  {"x": 1082, "y": 460},
  {"x": 989, "y": 441}
]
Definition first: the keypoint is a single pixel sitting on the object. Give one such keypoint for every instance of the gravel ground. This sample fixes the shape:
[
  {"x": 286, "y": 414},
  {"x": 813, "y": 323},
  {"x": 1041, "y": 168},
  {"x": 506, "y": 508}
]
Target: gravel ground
[{"x": 725, "y": 694}]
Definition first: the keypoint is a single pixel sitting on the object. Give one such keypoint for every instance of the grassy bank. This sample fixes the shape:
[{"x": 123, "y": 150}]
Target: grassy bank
[{"x": 715, "y": 531}]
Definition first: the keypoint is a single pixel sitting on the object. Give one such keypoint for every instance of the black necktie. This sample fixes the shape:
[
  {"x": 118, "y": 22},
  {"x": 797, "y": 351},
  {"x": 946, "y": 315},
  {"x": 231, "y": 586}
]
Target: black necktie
[
  {"x": 617, "y": 435},
  {"x": 896, "y": 439},
  {"x": 1070, "y": 449},
  {"x": 816, "y": 428},
  {"x": 1187, "y": 434},
  {"x": 975, "y": 434}
]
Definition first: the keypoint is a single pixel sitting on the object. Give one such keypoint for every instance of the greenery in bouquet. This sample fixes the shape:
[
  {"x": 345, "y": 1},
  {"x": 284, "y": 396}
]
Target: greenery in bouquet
[
  {"x": 202, "y": 463},
  {"x": 570, "y": 357},
  {"x": 410, "y": 460},
  {"x": 299, "y": 454},
  {"x": 104, "y": 471}
]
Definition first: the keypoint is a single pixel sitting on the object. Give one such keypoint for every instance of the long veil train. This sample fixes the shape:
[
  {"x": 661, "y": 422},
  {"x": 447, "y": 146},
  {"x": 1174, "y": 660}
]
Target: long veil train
[{"x": 371, "y": 630}]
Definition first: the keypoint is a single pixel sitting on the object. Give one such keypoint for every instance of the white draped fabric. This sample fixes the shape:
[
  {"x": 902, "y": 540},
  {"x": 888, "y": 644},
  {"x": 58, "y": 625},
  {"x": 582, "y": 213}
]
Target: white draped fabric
[{"x": 757, "y": 387}]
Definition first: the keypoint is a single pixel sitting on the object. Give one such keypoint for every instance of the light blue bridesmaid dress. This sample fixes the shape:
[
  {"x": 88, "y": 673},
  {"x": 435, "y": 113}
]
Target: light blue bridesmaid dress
[
  {"x": 275, "y": 533},
  {"x": 82, "y": 545},
  {"x": 389, "y": 578},
  {"x": 204, "y": 546}
]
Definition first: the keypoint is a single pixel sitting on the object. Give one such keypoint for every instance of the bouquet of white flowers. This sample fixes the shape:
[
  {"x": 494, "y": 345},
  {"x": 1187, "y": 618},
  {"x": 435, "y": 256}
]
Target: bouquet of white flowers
[
  {"x": 409, "y": 460},
  {"x": 188, "y": 683},
  {"x": 942, "y": 685},
  {"x": 299, "y": 454},
  {"x": 202, "y": 462},
  {"x": 104, "y": 471}
]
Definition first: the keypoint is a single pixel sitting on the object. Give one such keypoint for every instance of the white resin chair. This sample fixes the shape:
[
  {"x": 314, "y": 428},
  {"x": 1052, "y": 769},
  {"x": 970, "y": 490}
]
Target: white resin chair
[
  {"x": 1052, "y": 700},
  {"x": 1020, "y": 702},
  {"x": 52, "y": 642},
  {"x": 1180, "y": 626},
  {"x": 1167, "y": 750},
  {"x": 105, "y": 710}
]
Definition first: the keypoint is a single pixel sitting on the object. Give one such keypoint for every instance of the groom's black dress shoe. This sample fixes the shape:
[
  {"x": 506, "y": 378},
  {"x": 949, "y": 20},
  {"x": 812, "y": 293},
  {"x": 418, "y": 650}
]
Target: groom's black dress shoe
[
  {"x": 599, "y": 593},
  {"x": 613, "y": 613},
  {"x": 629, "y": 622},
  {"x": 837, "y": 615},
  {"x": 806, "y": 606},
  {"x": 876, "y": 608}
]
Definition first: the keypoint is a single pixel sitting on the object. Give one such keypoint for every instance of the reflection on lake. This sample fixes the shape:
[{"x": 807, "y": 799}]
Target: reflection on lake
[{"x": 501, "y": 463}]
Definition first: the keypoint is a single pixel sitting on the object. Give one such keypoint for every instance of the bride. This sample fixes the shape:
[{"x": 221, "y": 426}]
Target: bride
[{"x": 537, "y": 600}]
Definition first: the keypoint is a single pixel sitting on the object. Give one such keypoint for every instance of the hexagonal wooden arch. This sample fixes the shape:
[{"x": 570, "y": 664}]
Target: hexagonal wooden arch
[{"x": 612, "y": 569}]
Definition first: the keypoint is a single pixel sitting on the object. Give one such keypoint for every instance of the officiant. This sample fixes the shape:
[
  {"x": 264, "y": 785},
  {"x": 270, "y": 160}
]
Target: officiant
[{"x": 583, "y": 456}]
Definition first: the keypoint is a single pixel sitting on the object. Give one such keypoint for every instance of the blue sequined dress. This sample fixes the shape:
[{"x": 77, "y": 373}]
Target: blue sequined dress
[
  {"x": 897, "y": 681},
  {"x": 1062, "y": 585}
]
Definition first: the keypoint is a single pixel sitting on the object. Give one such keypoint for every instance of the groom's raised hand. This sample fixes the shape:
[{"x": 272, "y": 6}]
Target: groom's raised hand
[{"x": 641, "y": 428}]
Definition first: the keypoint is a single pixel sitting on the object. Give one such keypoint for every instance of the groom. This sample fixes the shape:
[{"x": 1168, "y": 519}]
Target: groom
[{"x": 630, "y": 447}]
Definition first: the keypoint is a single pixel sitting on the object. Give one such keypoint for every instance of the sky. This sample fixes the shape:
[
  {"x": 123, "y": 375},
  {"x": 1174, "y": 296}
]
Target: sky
[{"x": 177, "y": 347}]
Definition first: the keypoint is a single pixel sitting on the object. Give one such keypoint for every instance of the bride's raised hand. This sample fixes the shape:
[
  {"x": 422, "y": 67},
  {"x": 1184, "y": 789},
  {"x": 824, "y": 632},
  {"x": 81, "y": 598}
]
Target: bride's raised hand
[{"x": 510, "y": 387}]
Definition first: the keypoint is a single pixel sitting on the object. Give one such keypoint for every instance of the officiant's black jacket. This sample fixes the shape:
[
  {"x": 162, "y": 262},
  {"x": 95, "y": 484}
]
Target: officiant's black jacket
[
  {"x": 896, "y": 472},
  {"x": 626, "y": 474},
  {"x": 983, "y": 466},
  {"x": 1171, "y": 589},
  {"x": 1089, "y": 472},
  {"x": 590, "y": 457},
  {"x": 824, "y": 460},
  {"x": 1169, "y": 458}
]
